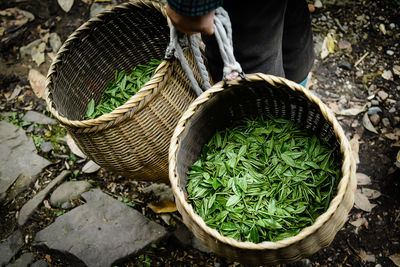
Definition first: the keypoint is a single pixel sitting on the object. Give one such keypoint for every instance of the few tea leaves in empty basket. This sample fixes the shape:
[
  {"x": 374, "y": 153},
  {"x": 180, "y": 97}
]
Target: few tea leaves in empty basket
[
  {"x": 263, "y": 180},
  {"x": 122, "y": 89}
]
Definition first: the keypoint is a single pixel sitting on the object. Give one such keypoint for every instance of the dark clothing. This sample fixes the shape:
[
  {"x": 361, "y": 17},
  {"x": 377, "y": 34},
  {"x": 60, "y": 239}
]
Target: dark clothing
[
  {"x": 194, "y": 7},
  {"x": 297, "y": 41},
  {"x": 274, "y": 37}
]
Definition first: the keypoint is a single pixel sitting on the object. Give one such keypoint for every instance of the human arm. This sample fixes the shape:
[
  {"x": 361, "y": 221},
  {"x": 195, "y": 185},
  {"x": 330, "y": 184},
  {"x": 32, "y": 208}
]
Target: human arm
[{"x": 193, "y": 16}]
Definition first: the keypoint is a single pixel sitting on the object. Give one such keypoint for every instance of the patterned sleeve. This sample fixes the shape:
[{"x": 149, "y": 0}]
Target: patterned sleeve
[{"x": 194, "y": 7}]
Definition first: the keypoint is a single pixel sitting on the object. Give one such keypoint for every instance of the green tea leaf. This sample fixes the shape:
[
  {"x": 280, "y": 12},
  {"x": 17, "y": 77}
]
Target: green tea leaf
[
  {"x": 228, "y": 226},
  {"x": 254, "y": 236},
  {"x": 271, "y": 207},
  {"x": 288, "y": 160},
  {"x": 233, "y": 200},
  {"x": 90, "y": 108}
]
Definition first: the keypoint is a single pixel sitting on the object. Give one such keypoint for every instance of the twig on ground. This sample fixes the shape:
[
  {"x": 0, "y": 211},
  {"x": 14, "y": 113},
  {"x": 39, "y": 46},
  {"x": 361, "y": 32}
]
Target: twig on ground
[{"x": 361, "y": 59}]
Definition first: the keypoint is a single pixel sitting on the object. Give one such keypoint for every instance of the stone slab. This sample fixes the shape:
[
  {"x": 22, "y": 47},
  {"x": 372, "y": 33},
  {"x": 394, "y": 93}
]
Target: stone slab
[
  {"x": 32, "y": 204},
  {"x": 100, "y": 232},
  {"x": 10, "y": 247},
  {"x": 18, "y": 155}
]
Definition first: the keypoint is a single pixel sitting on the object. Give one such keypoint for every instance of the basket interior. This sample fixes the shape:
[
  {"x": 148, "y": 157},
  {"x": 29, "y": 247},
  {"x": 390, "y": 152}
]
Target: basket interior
[
  {"x": 121, "y": 40},
  {"x": 248, "y": 99}
]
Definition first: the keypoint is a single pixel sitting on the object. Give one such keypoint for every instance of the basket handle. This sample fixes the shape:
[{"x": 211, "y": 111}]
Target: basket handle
[{"x": 223, "y": 35}]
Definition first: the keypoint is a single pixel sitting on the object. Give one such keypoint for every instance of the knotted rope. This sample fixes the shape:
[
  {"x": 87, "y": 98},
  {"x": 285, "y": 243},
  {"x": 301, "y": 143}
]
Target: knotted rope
[{"x": 223, "y": 35}]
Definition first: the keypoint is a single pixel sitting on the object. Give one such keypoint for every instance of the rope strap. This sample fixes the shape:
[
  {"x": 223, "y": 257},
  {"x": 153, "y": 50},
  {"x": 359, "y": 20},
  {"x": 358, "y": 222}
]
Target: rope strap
[{"x": 223, "y": 35}]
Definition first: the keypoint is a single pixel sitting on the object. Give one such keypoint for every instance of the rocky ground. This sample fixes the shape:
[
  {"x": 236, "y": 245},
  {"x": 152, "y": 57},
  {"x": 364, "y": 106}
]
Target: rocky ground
[{"x": 356, "y": 73}]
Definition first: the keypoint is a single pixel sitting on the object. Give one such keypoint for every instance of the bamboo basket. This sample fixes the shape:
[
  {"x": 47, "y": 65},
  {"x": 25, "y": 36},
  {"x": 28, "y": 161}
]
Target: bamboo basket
[
  {"x": 259, "y": 94},
  {"x": 132, "y": 140}
]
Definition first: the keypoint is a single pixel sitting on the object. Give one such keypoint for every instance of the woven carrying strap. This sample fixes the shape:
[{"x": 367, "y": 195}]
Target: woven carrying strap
[{"x": 223, "y": 35}]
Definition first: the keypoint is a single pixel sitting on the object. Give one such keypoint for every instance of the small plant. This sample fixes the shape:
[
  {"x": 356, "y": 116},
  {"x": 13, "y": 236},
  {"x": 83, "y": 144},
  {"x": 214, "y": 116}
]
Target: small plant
[
  {"x": 72, "y": 158},
  {"x": 60, "y": 212},
  {"x": 56, "y": 131},
  {"x": 16, "y": 119},
  {"x": 144, "y": 260},
  {"x": 37, "y": 139},
  {"x": 368, "y": 77},
  {"x": 126, "y": 201},
  {"x": 122, "y": 89},
  {"x": 263, "y": 180},
  {"x": 75, "y": 173}
]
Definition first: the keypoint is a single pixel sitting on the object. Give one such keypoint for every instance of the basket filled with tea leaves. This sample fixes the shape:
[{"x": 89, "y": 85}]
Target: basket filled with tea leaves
[
  {"x": 117, "y": 98},
  {"x": 261, "y": 170}
]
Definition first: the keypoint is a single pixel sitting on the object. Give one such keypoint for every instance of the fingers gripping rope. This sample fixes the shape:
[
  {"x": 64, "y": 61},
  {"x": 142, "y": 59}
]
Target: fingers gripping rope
[{"x": 223, "y": 35}]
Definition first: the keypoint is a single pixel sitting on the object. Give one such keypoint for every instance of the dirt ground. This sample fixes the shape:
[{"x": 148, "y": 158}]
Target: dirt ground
[{"x": 344, "y": 79}]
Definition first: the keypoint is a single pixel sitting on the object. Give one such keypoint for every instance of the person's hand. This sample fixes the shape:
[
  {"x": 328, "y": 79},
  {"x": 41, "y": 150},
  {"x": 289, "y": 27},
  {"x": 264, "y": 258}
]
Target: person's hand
[{"x": 192, "y": 24}]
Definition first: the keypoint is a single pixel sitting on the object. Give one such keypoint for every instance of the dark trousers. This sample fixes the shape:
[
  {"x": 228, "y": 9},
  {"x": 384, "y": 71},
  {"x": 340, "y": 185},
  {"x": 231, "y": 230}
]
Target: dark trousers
[{"x": 272, "y": 37}]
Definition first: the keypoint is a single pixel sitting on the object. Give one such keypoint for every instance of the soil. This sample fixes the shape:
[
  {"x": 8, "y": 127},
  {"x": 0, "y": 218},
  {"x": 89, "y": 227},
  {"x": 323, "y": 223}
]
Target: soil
[{"x": 335, "y": 79}]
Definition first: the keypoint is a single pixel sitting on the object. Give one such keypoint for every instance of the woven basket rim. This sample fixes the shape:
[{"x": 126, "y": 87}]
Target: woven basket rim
[
  {"x": 348, "y": 165},
  {"x": 135, "y": 103}
]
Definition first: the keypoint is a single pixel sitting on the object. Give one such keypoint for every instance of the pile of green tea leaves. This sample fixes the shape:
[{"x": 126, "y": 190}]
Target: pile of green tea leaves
[
  {"x": 122, "y": 89},
  {"x": 263, "y": 180}
]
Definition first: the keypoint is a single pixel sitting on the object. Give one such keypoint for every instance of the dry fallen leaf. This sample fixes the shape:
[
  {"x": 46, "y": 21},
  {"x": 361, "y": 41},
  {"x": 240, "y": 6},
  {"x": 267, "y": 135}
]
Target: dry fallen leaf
[
  {"x": 355, "y": 147},
  {"x": 398, "y": 159},
  {"x": 370, "y": 193},
  {"x": 392, "y": 136},
  {"x": 73, "y": 147},
  {"x": 51, "y": 55},
  {"x": 334, "y": 107},
  {"x": 397, "y": 144},
  {"x": 45, "y": 37},
  {"x": 382, "y": 28},
  {"x": 163, "y": 206},
  {"x": 166, "y": 218},
  {"x": 15, "y": 93},
  {"x": 362, "y": 202},
  {"x": 21, "y": 17},
  {"x": 370, "y": 258},
  {"x": 112, "y": 187},
  {"x": 362, "y": 254},
  {"x": 363, "y": 179},
  {"x": 48, "y": 258},
  {"x": 358, "y": 222},
  {"x": 353, "y": 111},
  {"x": 7, "y": 95},
  {"x": 37, "y": 82},
  {"x": 66, "y": 4},
  {"x": 90, "y": 167},
  {"x": 46, "y": 204},
  {"x": 396, "y": 70},
  {"x": 38, "y": 53},
  {"x": 328, "y": 46},
  {"x": 367, "y": 124},
  {"x": 387, "y": 75},
  {"x": 36, "y": 186},
  {"x": 311, "y": 8},
  {"x": 395, "y": 259}
]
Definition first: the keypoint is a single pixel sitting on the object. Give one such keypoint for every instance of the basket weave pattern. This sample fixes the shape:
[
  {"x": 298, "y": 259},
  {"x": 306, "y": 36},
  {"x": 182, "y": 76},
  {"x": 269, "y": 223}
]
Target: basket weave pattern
[
  {"x": 132, "y": 140},
  {"x": 227, "y": 103}
]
